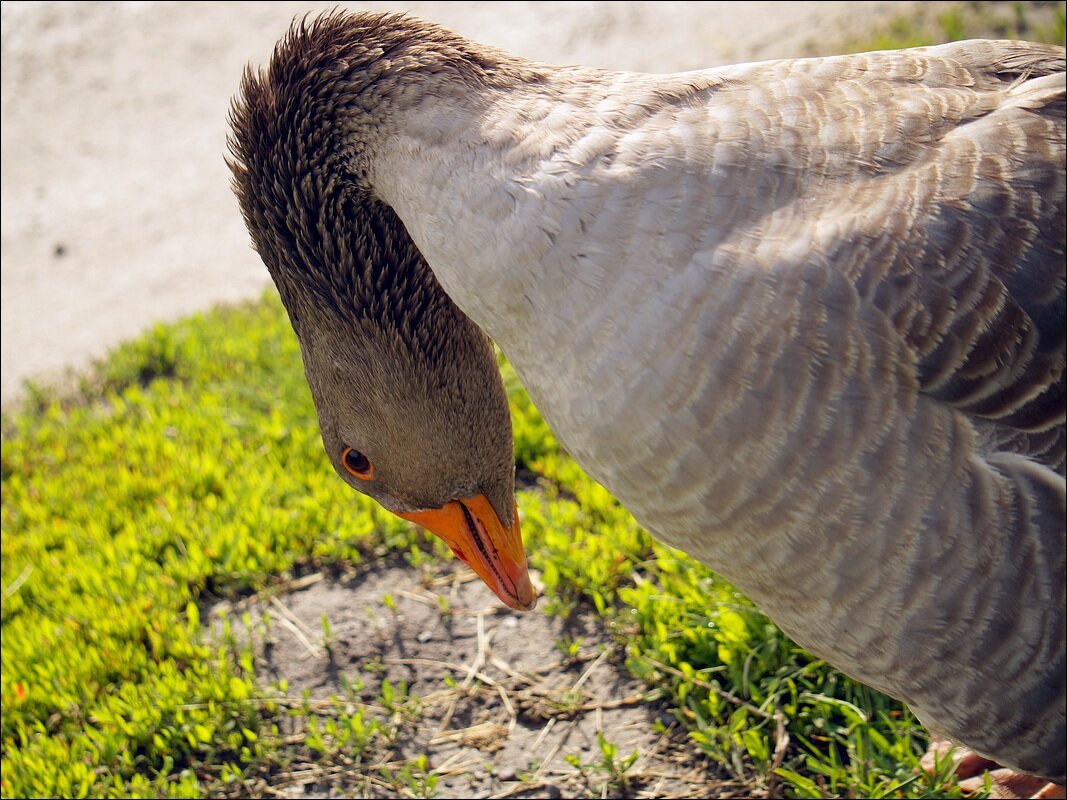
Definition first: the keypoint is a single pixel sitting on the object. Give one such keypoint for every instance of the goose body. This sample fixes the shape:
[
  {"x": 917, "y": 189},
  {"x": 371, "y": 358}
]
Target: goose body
[{"x": 805, "y": 319}]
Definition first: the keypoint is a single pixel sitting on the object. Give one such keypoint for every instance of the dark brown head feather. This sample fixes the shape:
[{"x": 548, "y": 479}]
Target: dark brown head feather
[{"x": 384, "y": 347}]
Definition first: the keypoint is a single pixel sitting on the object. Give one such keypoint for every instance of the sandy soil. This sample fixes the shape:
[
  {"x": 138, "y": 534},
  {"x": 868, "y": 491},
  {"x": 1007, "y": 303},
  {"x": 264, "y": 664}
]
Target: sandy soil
[
  {"x": 116, "y": 206},
  {"x": 520, "y": 703}
]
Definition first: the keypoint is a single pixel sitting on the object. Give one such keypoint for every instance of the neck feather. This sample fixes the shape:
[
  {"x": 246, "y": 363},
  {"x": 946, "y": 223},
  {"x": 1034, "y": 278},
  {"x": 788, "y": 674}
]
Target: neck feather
[{"x": 303, "y": 133}]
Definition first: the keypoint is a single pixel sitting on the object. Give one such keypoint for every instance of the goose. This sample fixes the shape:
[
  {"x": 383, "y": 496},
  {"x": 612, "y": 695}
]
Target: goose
[{"x": 803, "y": 318}]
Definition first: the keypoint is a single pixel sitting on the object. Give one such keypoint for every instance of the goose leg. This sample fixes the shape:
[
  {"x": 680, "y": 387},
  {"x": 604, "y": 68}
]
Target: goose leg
[
  {"x": 1013, "y": 786},
  {"x": 970, "y": 769}
]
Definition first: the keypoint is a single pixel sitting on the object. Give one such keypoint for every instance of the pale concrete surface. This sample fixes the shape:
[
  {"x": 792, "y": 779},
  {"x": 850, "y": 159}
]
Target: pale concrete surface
[{"x": 116, "y": 207}]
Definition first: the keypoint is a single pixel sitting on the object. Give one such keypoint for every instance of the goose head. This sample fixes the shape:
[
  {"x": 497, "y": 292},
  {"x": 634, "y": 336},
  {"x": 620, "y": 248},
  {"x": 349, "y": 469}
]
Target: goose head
[{"x": 409, "y": 397}]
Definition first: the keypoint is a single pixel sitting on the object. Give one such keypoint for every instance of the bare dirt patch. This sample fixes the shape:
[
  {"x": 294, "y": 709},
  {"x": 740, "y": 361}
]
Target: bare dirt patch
[{"x": 501, "y": 704}]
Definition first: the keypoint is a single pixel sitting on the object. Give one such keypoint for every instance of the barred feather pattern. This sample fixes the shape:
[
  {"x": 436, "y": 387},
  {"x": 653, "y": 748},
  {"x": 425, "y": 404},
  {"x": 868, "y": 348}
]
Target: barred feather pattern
[{"x": 805, "y": 319}]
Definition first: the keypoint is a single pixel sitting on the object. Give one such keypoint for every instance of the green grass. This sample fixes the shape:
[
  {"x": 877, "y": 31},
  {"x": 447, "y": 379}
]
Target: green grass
[
  {"x": 190, "y": 467},
  {"x": 934, "y": 23}
]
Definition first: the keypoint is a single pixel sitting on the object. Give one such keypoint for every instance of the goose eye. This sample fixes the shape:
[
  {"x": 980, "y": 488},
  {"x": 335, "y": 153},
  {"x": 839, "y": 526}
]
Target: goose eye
[{"x": 358, "y": 464}]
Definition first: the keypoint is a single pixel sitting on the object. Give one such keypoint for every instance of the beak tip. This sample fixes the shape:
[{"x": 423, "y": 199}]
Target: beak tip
[
  {"x": 526, "y": 596},
  {"x": 523, "y": 597},
  {"x": 529, "y": 605}
]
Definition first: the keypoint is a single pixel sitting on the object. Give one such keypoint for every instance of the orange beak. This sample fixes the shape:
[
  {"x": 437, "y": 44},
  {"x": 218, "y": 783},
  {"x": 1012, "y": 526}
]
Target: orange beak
[{"x": 471, "y": 528}]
